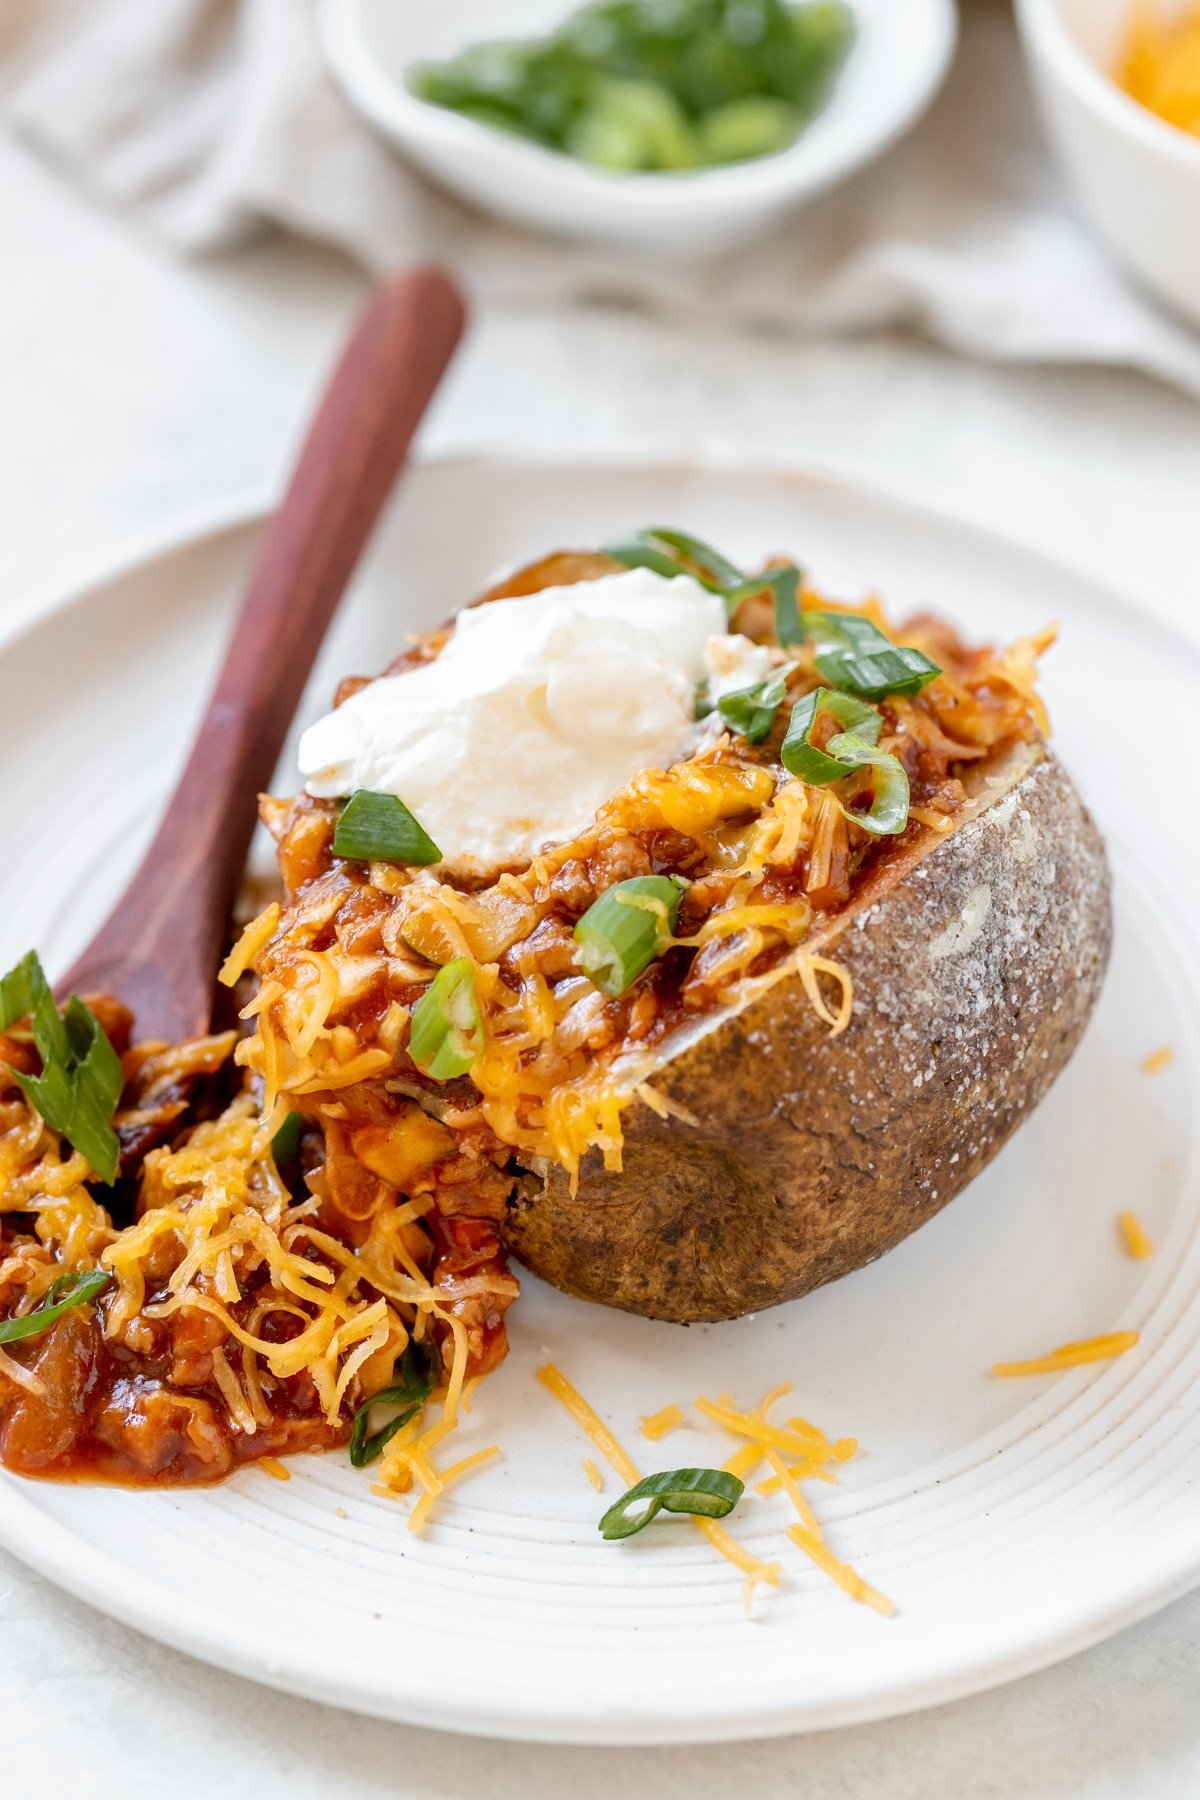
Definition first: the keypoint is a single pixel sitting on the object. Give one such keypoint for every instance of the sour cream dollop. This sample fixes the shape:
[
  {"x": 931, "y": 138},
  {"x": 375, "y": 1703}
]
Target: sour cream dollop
[{"x": 535, "y": 712}]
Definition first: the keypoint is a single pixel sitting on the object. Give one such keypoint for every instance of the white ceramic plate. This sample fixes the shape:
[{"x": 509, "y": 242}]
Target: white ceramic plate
[{"x": 1012, "y": 1522}]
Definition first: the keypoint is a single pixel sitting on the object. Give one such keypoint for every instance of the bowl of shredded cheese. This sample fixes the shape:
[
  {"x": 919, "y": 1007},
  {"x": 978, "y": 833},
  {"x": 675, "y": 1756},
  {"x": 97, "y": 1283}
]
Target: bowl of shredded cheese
[{"x": 1119, "y": 86}]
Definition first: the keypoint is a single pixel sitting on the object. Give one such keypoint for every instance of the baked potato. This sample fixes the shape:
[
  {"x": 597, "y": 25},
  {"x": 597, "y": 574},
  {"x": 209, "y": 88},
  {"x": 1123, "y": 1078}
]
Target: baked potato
[
  {"x": 881, "y": 921},
  {"x": 976, "y": 961}
]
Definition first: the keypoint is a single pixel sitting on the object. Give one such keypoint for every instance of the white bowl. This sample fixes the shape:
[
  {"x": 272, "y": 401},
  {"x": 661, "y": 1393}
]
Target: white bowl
[
  {"x": 1138, "y": 178},
  {"x": 891, "y": 74}
]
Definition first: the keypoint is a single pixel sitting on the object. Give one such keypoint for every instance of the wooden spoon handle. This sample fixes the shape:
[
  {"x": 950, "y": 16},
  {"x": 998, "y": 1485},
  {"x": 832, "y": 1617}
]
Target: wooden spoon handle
[{"x": 161, "y": 947}]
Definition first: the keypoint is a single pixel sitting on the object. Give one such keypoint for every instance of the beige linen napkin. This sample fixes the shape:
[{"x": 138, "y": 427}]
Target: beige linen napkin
[{"x": 213, "y": 118}]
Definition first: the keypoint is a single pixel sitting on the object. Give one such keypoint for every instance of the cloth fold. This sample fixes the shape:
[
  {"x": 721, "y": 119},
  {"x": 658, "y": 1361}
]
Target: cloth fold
[{"x": 213, "y": 119}]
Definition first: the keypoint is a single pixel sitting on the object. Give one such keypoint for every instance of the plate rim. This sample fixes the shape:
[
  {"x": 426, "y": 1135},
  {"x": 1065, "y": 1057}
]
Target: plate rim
[{"x": 144, "y": 1603}]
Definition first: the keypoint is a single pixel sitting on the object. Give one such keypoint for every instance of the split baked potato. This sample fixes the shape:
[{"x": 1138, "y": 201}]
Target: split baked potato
[
  {"x": 871, "y": 964},
  {"x": 976, "y": 961}
]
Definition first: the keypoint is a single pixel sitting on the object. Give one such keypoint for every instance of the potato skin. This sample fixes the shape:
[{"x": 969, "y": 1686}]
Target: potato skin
[{"x": 975, "y": 968}]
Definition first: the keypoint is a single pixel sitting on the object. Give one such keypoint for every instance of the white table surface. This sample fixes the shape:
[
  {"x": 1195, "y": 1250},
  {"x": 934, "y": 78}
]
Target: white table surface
[{"x": 137, "y": 395}]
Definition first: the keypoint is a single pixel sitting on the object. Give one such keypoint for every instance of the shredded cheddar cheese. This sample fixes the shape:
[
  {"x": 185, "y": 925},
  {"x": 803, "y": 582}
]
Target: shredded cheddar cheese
[
  {"x": 591, "y": 1470},
  {"x": 1158, "y": 1060},
  {"x": 1069, "y": 1356},
  {"x": 656, "y": 1425},
  {"x": 556, "y": 1382},
  {"x": 1159, "y": 63},
  {"x": 217, "y": 1206},
  {"x": 847, "y": 1578},
  {"x": 802, "y": 1471},
  {"x": 766, "y": 1441},
  {"x": 1136, "y": 1241},
  {"x": 418, "y": 1517},
  {"x": 256, "y": 936}
]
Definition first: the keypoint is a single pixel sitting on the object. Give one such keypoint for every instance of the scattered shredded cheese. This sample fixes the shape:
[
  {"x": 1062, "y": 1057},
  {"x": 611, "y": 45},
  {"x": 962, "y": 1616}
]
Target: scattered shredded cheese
[
  {"x": 798, "y": 1438},
  {"x": 847, "y": 1578},
  {"x": 591, "y": 1470},
  {"x": 1136, "y": 1241},
  {"x": 612, "y": 1452},
  {"x": 656, "y": 1425},
  {"x": 765, "y": 1437},
  {"x": 419, "y": 1515},
  {"x": 271, "y": 1465},
  {"x": 1158, "y": 1060},
  {"x": 804, "y": 1471},
  {"x": 1068, "y": 1356}
]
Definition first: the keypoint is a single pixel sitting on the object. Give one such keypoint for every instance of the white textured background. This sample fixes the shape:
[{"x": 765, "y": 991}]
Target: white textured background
[{"x": 138, "y": 395}]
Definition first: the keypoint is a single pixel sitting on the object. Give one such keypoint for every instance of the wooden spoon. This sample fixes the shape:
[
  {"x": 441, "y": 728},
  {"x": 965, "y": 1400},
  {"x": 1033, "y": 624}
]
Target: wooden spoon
[{"x": 160, "y": 950}]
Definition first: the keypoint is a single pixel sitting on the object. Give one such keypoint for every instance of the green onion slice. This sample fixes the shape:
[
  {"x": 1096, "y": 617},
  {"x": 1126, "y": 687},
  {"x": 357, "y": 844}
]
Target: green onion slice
[
  {"x": 674, "y": 553},
  {"x": 75, "y": 1288},
  {"x": 850, "y": 749},
  {"x": 286, "y": 1141},
  {"x": 801, "y": 757},
  {"x": 707, "y": 1493},
  {"x": 634, "y": 554},
  {"x": 700, "y": 555},
  {"x": 19, "y": 989},
  {"x": 888, "y": 812},
  {"x": 410, "y": 1394},
  {"x": 445, "y": 1036},
  {"x": 784, "y": 586},
  {"x": 623, "y": 931},
  {"x": 81, "y": 1079},
  {"x": 854, "y": 655},
  {"x": 379, "y": 828},
  {"x": 751, "y": 711}
]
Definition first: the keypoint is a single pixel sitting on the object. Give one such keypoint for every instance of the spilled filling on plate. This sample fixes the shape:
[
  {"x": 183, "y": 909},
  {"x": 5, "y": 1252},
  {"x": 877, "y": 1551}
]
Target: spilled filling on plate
[{"x": 290, "y": 1235}]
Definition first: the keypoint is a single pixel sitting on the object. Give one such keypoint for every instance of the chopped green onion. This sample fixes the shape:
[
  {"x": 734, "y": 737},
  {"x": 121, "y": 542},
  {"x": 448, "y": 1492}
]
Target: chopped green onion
[
  {"x": 674, "y": 553},
  {"x": 784, "y": 586},
  {"x": 445, "y": 1037},
  {"x": 657, "y": 85},
  {"x": 751, "y": 711},
  {"x": 75, "y": 1288},
  {"x": 379, "y": 828},
  {"x": 758, "y": 125},
  {"x": 800, "y": 755},
  {"x": 850, "y": 749},
  {"x": 888, "y": 812},
  {"x": 81, "y": 1078},
  {"x": 706, "y": 1493},
  {"x": 634, "y": 554},
  {"x": 410, "y": 1394},
  {"x": 623, "y": 931},
  {"x": 19, "y": 990},
  {"x": 854, "y": 655},
  {"x": 695, "y": 551},
  {"x": 631, "y": 124},
  {"x": 286, "y": 1141}
]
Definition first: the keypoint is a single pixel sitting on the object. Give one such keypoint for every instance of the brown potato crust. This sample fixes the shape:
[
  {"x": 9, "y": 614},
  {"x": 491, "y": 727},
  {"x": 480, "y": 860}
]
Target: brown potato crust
[{"x": 976, "y": 964}]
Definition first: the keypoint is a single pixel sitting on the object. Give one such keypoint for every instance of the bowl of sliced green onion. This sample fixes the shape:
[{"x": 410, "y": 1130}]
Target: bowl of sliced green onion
[{"x": 670, "y": 127}]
